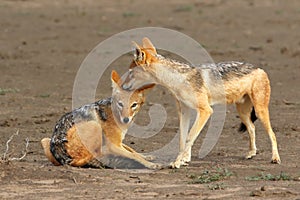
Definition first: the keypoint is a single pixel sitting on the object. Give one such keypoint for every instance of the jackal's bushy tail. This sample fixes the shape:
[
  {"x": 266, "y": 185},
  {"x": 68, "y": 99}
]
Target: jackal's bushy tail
[{"x": 243, "y": 127}]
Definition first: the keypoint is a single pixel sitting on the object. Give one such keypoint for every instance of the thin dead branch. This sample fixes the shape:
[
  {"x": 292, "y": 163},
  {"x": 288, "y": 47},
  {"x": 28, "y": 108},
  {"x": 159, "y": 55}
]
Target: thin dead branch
[{"x": 6, "y": 157}]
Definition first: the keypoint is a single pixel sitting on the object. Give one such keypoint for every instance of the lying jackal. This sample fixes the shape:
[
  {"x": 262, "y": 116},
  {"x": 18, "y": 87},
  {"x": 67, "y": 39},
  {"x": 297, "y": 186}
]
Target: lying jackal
[
  {"x": 92, "y": 135},
  {"x": 201, "y": 87}
]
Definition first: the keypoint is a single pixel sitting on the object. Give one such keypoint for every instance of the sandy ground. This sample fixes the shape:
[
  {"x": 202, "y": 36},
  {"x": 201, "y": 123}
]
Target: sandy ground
[{"x": 43, "y": 43}]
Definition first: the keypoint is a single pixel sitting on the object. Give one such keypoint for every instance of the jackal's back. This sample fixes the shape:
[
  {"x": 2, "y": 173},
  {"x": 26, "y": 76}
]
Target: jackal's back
[
  {"x": 230, "y": 69},
  {"x": 226, "y": 82}
]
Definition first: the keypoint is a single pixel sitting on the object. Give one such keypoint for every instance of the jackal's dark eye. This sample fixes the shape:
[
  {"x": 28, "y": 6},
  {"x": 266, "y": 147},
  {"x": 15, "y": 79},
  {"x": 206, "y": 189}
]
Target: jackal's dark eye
[
  {"x": 120, "y": 104},
  {"x": 134, "y": 105},
  {"x": 141, "y": 56}
]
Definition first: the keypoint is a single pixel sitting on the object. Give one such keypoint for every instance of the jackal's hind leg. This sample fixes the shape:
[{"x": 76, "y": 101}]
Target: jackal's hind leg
[
  {"x": 260, "y": 98},
  {"x": 244, "y": 109},
  {"x": 263, "y": 115}
]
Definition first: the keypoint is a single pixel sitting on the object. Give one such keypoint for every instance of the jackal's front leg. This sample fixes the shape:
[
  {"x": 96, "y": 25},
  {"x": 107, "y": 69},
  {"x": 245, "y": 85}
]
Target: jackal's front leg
[
  {"x": 146, "y": 157},
  {"x": 193, "y": 134},
  {"x": 131, "y": 154},
  {"x": 184, "y": 118}
]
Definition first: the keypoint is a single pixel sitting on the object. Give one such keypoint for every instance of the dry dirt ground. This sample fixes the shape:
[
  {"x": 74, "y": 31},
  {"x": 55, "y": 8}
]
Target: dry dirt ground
[{"x": 42, "y": 44}]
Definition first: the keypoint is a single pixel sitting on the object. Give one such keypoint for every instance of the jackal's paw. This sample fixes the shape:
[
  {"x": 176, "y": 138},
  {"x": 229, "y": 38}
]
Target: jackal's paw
[
  {"x": 177, "y": 164},
  {"x": 156, "y": 166},
  {"x": 186, "y": 158},
  {"x": 182, "y": 160},
  {"x": 251, "y": 154},
  {"x": 149, "y": 157},
  {"x": 276, "y": 160}
]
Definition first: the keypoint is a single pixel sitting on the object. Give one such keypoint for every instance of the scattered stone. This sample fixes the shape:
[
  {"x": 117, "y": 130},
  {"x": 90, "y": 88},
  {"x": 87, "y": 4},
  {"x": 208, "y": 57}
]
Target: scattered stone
[
  {"x": 269, "y": 40},
  {"x": 256, "y": 193},
  {"x": 41, "y": 121},
  {"x": 296, "y": 53},
  {"x": 256, "y": 48},
  {"x": 283, "y": 50},
  {"x": 5, "y": 124},
  {"x": 264, "y": 188}
]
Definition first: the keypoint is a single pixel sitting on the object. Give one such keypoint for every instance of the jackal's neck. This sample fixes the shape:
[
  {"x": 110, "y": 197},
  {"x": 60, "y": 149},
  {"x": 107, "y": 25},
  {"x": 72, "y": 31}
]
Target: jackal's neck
[
  {"x": 173, "y": 64},
  {"x": 168, "y": 71}
]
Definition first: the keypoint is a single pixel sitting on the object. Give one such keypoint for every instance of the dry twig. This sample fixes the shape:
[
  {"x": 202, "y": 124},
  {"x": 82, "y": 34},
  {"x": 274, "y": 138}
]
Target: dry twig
[{"x": 7, "y": 157}]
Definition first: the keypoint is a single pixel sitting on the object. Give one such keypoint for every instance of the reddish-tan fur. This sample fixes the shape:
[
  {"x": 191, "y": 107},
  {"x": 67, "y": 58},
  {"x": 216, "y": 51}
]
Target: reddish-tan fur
[
  {"x": 199, "y": 89},
  {"x": 84, "y": 139},
  {"x": 46, "y": 146},
  {"x": 83, "y": 142}
]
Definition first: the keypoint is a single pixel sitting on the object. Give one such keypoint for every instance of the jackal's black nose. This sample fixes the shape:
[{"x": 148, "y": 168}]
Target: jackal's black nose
[{"x": 126, "y": 120}]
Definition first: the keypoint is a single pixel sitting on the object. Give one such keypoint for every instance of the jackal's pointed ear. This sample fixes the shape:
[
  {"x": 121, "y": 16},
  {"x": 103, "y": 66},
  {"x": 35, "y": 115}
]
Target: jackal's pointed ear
[
  {"x": 136, "y": 45},
  {"x": 115, "y": 79},
  {"x": 148, "y": 45},
  {"x": 139, "y": 55}
]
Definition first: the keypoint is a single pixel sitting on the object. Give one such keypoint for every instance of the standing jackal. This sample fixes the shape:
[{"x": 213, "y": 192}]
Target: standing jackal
[
  {"x": 92, "y": 135},
  {"x": 201, "y": 87}
]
